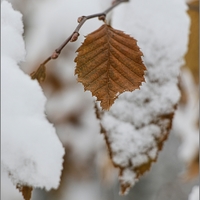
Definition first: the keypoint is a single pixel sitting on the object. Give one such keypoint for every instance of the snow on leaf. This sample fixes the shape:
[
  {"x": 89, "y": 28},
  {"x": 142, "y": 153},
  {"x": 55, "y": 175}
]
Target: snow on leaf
[
  {"x": 31, "y": 152},
  {"x": 139, "y": 122},
  {"x": 109, "y": 63}
]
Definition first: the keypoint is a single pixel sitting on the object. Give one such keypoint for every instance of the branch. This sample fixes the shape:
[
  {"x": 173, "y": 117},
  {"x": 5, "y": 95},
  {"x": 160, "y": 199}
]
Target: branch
[{"x": 40, "y": 73}]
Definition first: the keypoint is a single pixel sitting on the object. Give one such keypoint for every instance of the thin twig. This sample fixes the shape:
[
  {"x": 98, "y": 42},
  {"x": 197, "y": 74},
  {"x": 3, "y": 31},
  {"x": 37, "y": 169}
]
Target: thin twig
[{"x": 72, "y": 38}]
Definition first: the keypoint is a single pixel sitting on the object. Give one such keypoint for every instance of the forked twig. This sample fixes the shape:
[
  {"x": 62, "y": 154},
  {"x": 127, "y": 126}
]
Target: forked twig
[{"x": 40, "y": 73}]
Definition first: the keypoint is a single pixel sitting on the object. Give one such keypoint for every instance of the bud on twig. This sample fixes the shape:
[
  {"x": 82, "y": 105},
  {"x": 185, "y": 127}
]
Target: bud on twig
[
  {"x": 40, "y": 73},
  {"x": 80, "y": 19},
  {"x": 74, "y": 37},
  {"x": 54, "y": 55},
  {"x": 102, "y": 17}
]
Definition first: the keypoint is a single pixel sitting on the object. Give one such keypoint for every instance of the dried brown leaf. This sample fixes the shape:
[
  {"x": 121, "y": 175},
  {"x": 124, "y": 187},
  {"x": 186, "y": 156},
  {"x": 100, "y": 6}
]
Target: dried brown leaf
[
  {"x": 138, "y": 170},
  {"x": 39, "y": 74},
  {"x": 109, "y": 63},
  {"x": 25, "y": 190},
  {"x": 143, "y": 167}
]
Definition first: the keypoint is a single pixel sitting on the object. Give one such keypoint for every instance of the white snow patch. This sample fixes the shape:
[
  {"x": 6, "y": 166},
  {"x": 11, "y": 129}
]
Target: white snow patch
[
  {"x": 30, "y": 149},
  {"x": 128, "y": 177}
]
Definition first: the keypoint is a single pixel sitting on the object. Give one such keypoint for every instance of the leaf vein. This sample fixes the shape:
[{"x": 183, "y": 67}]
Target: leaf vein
[
  {"x": 94, "y": 50},
  {"x": 101, "y": 36},
  {"x": 117, "y": 83},
  {"x": 99, "y": 88},
  {"x": 122, "y": 75},
  {"x": 96, "y": 78},
  {"x": 123, "y": 63},
  {"x": 93, "y": 68},
  {"x": 122, "y": 52}
]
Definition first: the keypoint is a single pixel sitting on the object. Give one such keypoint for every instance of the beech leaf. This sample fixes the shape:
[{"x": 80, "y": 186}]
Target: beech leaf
[
  {"x": 129, "y": 150},
  {"x": 108, "y": 64},
  {"x": 25, "y": 190}
]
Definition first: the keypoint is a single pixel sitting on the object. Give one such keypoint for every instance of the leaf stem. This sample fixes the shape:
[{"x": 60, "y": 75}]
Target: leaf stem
[
  {"x": 74, "y": 36},
  {"x": 81, "y": 21}
]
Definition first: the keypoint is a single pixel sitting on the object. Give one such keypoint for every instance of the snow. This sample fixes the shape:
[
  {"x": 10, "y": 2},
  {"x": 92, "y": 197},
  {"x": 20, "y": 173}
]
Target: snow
[
  {"x": 161, "y": 28},
  {"x": 31, "y": 152},
  {"x": 133, "y": 124},
  {"x": 71, "y": 100},
  {"x": 128, "y": 177},
  {"x": 12, "y": 28},
  {"x": 8, "y": 191},
  {"x": 194, "y": 195}
]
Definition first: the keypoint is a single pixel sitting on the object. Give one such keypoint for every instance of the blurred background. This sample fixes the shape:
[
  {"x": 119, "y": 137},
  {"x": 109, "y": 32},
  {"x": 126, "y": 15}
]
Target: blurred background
[{"x": 88, "y": 173}]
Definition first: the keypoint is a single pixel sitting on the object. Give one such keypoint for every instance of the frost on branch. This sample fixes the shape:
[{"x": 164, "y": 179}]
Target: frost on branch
[
  {"x": 139, "y": 122},
  {"x": 108, "y": 64},
  {"x": 31, "y": 151}
]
